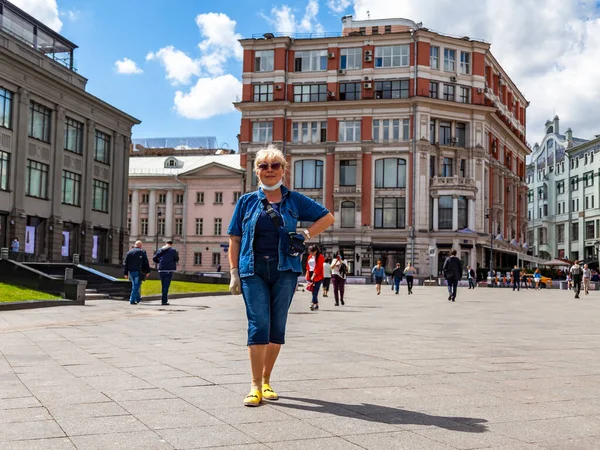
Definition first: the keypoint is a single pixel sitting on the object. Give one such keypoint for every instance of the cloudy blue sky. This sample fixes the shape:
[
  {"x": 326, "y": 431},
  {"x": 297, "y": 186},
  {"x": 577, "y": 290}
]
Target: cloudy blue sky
[{"x": 176, "y": 65}]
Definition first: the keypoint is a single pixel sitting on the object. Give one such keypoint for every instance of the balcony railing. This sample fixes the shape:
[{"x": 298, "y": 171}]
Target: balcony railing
[{"x": 455, "y": 181}]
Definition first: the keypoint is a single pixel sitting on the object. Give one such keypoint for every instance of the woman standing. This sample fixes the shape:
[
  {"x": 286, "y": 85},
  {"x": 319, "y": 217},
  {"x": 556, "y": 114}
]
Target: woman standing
[
  {"x": 314, "y": 273},
  {"x": 326, "y": 276},
  {"x": 379, "y": 273},
  {"x": 264, "y": 256},
  {"x": 410, "y": 273},
  {"x": 537, "y": 276},
  {"x": 339, "y": 269}
]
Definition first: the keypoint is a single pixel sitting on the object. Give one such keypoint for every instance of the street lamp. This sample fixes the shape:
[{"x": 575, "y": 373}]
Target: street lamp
[
  {"x": 158, "y": 216},
  {"x": 488, "y": 215}
]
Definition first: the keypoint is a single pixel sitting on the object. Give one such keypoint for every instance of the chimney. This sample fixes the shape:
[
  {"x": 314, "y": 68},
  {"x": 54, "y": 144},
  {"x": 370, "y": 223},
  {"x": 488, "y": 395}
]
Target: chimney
[{"x": 569, "y": 136}]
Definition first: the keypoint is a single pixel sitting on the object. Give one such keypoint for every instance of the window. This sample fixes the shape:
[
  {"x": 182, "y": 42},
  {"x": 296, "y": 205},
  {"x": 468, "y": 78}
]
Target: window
[
  {"x": 374, "y": 30},
  {"x": 434, "y": 57},
  {"x": 390, "y": 212},
  {"x": 218, "y": 225},
  {"x": 199, "y": 226},
  {"x": 545, "y": 210},
  {"x": 308, "y": 174},
  {"x": 100, "y": 196},
  {"x": 390, "y": 173},
  {"x": 216, "y": 259},
  {"x": 309, "y": 132},
  {"x": 449, "y": 60},
  {"x": 236, "y": 196},
  {"x": 36, "y": 179},
  {"x": 351, "y": 58},
  {"x": 349, "y": 131},
  {"x": 465, "y": 94},
  {"x": 560, "y": 233},
  {"x": 465, "y": 63},
  {"x": 575, "y": 231},
  {"x": 73, "y": 136},
  {"x": 461, "y": 134},
  {"x": 145, "y": 198},
  {"x": 263, "y": 60},
  {"x": 350, "y": 91},
  {"x": 392, "y": 89},
  {"x": 445, "y": 212},
  {"x": 144, "y": 227},
  {"x": 262, "y": 132},
  {"x": 449, "y": 92},
  {"x": 388, "y": 130},
  {"x": 348, "y": 215},
  {"x": 161, "y": 226},
  {"x": 218, "y": 197},
  {"x": 433, "y": 89},
  {"x": 463, "y": 169},
  {"x": 392, "y": 56},
  {"x": 5, "y": 108},
  {"x": 589, "y": 179},
  {"x": 445, "y": 133},
  {"x": 199, "y": 197},
  {"x": 447, "y": 164},
  {"x": 574, "y": 205},
  {"x": 4, "y": 165},
  {"x": 388, "y": 29},
  {"x": 310, "y": 93},
  {"x": 197, "y": 259},
  {"x": 362, "y": 30},
  {"x": 348, "y": 172},
  {"x": 102, "y": 152},
  {"x": 162, "y": 198},
  {"x": 263, "y": 92},
  {"x": 574, "y": 183},
  {"x": 432, "y": 133},
  {"x": 178, "y": 226},
  {"x": 40, "y": 121},
  {"x": 179, "y": 199},
  {"x": 560, "y": 187},
  {"x": 71, "y": 188},
  {"x": 129, "y": 225},
  {"x": 432, "y": 166},
  {"x": 310, "y": 61},
  {"x": 463, "y": 213},
  {"x": 530, "y": 196}
]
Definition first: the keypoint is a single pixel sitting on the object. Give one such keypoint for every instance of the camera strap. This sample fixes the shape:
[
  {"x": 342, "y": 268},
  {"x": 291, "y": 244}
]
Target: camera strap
[{"x": 272, "y": 213}]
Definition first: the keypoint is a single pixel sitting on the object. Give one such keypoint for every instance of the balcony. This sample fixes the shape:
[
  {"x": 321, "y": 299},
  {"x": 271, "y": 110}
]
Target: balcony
[
  {"x": 345, "y": 190},
  {"x": 452, "y": 182}
]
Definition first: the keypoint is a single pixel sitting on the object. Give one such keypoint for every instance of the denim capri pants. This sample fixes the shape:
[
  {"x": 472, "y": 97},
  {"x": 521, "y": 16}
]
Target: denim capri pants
[{"x": 268, "y": 295}]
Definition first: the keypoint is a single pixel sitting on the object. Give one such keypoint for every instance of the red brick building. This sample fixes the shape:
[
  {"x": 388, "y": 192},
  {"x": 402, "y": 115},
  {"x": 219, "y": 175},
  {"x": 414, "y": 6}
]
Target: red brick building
[{"x": 410, "y": 137}]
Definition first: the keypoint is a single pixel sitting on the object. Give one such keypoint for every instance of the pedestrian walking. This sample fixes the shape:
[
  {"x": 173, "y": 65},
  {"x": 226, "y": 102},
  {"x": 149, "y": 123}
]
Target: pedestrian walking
[
  {"x": 537, "y": 276},
  {"x": 397, "y": 277},
  {"x": 264, "y": 256},
  {"x": 516, "y": 276},
  {"x": 453, "y": 272},
  {"x": 472, "y": 277},
  {"x": 587, "y": 277},
  {"x": 577, "y": 274},
  {"x": 166, "y": 258},
  {"x": 314, "y": 274},
  {"x": 409, "y": 273},
  {"x": 339, "y": 271},
  {"x": 326, "y": 276},
  {"x": 136, "y": 267},
  {"x": 14, "y": 246},
  {"x": 379, "y": 274}
]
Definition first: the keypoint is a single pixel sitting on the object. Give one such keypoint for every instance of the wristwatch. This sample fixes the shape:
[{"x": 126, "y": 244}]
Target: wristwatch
[{"x": 307, "y": 234}]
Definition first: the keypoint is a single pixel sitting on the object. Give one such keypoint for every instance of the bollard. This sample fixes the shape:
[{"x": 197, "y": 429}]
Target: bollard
[
  {"x": 3, "y": 253},
  {"x": 68, "y": 274}
]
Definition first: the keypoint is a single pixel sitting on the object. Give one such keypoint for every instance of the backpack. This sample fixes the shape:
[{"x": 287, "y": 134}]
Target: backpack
[{"x": 343, "y": 270}]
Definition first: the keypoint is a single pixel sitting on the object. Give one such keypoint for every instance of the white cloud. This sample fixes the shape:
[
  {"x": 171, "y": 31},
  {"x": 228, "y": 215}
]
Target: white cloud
[
  {"x": 179, "y": 67},
  {"x": 72, "y": 15},
  {"x": 283, "y": 19},
  {"x": 209, "y": 97},
  {"x": 126, "y": 66},
  {"x": 338, "y": 6},
  {"x": 220, "y": 36},
  {"x": 549, "y": 48},
  {"x": 46, "y": 11}
]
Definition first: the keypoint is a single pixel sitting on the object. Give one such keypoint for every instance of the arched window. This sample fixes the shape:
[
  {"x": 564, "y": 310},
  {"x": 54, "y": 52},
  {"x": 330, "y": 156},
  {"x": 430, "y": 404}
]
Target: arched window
[
  {"x": 390, "y": 173},
  {"x": 308, "y": 174},
  {"x": 171, "y": 163},
  {"x": 348, "y": 214}
]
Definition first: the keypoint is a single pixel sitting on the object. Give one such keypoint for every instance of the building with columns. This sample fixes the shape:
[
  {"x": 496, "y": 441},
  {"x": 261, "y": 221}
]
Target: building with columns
[
  {"x": 63, "y": 152},
  {"x": 564, "y": 196},
  {"x": 415, "y": 140},
  {"x": 188, "y": 199}
]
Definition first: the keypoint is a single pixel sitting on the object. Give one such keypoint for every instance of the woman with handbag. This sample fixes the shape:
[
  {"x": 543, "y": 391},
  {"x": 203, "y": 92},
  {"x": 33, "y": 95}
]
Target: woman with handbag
[
  {"x": 264, "y": 256},
  {"x": 314, "y": 274}
]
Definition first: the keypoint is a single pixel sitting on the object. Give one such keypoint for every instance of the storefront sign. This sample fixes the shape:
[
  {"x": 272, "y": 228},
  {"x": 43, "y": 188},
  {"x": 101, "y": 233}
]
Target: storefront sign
[
  {"x": 64, "y": 250},
  {"x": 29, "y": 239}
]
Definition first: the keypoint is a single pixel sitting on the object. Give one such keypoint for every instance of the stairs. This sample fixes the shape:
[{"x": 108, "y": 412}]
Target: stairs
[{"x": 93, "y": 294}]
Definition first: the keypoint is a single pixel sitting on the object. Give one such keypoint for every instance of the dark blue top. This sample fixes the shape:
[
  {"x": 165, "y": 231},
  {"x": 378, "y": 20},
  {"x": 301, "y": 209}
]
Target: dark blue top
[
  {"x": 167, "y": 259},
  {"x": 136, "y": 260},
  {"x": 266, "y": 236}
]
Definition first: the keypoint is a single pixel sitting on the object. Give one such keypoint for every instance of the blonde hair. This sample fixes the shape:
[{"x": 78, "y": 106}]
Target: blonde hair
[{"x": 271, "y": 154}]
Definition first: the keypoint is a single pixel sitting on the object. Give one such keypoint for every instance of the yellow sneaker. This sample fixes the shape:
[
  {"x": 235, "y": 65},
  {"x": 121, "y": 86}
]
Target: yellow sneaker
[
  {"x": 253, "y": 398},
  {"x": 269, "y": 393}
]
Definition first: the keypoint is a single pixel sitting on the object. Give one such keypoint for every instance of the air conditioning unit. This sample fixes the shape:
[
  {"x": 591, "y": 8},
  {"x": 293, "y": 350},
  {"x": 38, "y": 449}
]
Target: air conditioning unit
[
  {"x": 367, "y": 78},
  {"x": 279, "y": 87},
  {"x": 342, "y": 72},
  {"x": 480, "y": 90},
  {"x": 368, "y": 58},
  {"x": 331, "y": 55},
  {"x": 453, "y": 79},
  {"x": 368, "y": 85},
  {"x": 330, "y": 94},
  {"x": 368, "y": 53}
]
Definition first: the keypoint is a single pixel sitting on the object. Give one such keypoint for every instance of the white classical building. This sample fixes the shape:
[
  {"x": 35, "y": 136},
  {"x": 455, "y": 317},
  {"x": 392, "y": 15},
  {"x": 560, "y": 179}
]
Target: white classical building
[{"x": 564, "y": 196}]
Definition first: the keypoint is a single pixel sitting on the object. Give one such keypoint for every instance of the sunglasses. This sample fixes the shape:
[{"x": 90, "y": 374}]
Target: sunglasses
[{"x": 274, "y": 166}]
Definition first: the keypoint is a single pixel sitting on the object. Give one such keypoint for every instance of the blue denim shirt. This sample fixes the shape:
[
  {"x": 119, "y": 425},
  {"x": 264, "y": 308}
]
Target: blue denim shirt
[{"x": 294, "y": 207}]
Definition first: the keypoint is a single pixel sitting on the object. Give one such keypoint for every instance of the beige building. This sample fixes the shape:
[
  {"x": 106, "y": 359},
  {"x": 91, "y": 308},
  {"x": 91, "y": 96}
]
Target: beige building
[{"x": 63, "y": 152}]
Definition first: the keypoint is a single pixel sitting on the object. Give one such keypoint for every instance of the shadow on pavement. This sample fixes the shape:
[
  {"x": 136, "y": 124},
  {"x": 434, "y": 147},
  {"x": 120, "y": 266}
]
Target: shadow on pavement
[{"x": 385, "y": 414}]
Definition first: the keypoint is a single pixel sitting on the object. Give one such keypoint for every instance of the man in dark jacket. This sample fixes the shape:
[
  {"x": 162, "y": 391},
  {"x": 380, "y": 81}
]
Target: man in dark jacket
[
  {"x": 516, "y": 276},
  {"x": 397, "y": 275},
  {"x": 472, "y": 276},
  {"x": 453, "y": 272},
  {"x": 136, "y": 266},
  {"x": 167, "y": 259},
  {"x": 577, "y": 274}
]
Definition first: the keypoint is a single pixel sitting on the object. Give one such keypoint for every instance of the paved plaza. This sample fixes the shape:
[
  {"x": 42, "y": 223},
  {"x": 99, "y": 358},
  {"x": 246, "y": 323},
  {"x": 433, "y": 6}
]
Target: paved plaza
[{"x": 496, "y": 369}]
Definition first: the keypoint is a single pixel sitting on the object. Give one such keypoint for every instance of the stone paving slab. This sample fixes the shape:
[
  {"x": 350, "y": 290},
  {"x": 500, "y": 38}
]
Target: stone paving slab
[{"x": 495, "y": 370}]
